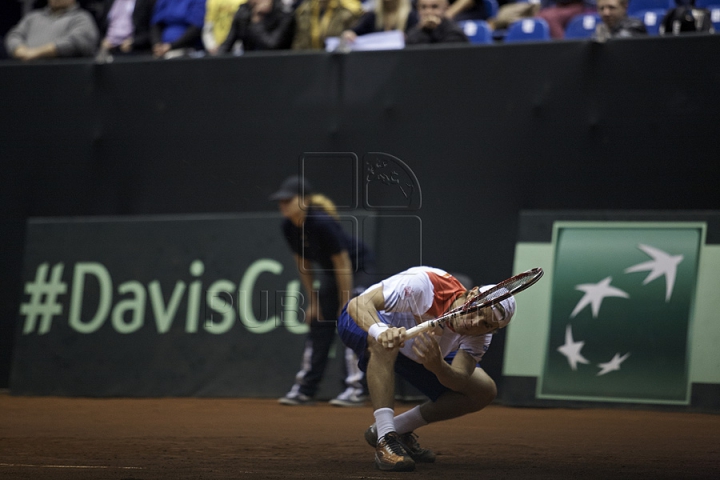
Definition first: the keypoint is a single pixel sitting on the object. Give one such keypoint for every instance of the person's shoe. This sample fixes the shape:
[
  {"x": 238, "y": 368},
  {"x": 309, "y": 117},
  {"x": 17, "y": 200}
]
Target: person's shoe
[
  {"x": 349, "y": 398},
  {"x": 296, "y": 399},
  {"x": 409, "y": 442},
  {"x": 391, "y": 456}
]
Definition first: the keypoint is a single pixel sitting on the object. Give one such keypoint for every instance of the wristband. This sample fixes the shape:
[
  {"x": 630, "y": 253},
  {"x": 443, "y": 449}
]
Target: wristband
[{"x": 376, "y": 329}]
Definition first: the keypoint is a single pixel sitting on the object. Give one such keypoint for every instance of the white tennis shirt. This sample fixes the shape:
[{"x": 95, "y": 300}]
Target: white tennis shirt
[{"x": 426, "y": 293}]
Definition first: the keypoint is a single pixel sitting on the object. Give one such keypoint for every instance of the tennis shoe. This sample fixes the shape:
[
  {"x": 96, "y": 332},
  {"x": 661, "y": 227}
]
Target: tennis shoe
[
  {"x": 296, "y": 399},
  {"x": 409, "y": 442},
  {"x": 390, "y": 455},
  {"x": 351, "y": 397}
]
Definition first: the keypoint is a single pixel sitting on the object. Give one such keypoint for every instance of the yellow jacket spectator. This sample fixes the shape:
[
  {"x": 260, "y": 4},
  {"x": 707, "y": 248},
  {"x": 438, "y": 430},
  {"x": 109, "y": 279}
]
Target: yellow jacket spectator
[
  {"x": 218, "y": 19},
  {"x": 319, "y": 19}
]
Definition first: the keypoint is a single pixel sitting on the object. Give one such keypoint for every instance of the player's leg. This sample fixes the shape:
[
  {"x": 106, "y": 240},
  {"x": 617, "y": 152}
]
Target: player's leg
[
  {"x": 478, "y": 394},
  {"x": 390, "y": 454},
  {"x": 381, "y": 374}
]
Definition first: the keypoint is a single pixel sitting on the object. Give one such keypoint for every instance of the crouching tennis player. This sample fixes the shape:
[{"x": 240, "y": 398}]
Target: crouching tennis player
[{"x": 442, "y": 364}]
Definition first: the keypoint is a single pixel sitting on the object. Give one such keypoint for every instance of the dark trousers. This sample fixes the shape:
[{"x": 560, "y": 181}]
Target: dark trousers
[{"x": 320, "y": 340}]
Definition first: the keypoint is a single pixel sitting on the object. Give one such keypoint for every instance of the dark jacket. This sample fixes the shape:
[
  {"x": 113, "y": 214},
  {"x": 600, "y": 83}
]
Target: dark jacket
[
  {"x": 274, "y": 32},
  {"x": 447, "y": 32}
]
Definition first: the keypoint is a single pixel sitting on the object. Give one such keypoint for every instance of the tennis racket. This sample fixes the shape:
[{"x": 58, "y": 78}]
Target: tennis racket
[{"x": 487, "y": 298}]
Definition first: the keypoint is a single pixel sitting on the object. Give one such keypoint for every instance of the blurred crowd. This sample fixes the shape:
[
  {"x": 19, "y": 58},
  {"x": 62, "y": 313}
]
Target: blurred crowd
[{"x": 37, "y": 29}]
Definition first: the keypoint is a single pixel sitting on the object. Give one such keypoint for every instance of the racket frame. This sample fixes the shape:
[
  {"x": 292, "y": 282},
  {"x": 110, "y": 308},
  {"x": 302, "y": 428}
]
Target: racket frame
[{"x": 473, "y": 305}]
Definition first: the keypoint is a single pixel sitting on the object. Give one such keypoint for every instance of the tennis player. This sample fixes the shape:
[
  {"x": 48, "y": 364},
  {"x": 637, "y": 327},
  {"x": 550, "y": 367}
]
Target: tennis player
[
  {"x": 317, "y": 239},
  {"x": 443, "y": 364}
]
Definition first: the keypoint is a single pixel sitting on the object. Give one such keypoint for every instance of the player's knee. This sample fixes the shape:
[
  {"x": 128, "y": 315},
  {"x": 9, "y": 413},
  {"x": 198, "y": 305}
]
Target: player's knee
[
  {"x": 484, "y": 390},
  {"x": 379, "y": 352}
]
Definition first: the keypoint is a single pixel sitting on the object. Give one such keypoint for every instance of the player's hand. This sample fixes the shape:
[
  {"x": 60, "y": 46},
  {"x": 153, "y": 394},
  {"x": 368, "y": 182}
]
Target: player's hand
[
  {"x": 392, "y": 338},
  {"x": 428, "y": 351},
  {"x": 430, "y": 22}
]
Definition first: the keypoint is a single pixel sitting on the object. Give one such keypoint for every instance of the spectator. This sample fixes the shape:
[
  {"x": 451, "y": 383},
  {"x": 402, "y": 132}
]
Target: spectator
[
  {"x": 558, "y": 13},
  {"x": 615, "y": 21},
  {"x": 434, "y": 26},
  {"x": 261, "y": 25},
  {"x": 386, "y": 16},
  {"x": 177, "y": 24},
  {"x": 511, "y": 12},
  {"x": 125, "y": 26},
  {"x": 62, "y": 29},
  {"x": 219, "y": 15},
  {"x": 319, "y": 19},
  {"x": 685, "y": 18}
]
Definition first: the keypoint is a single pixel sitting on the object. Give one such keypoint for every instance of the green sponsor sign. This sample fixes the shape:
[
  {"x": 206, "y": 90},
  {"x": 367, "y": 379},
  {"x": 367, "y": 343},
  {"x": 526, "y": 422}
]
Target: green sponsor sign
[{"x": 621, "y": 309}]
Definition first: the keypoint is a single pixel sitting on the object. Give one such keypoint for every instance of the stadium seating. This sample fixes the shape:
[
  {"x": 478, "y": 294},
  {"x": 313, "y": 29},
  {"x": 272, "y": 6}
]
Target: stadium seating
[
  {"x": 478, "y": 31},
  {"x": 581, "y": 26},
  {"x": 651, "y": 18},
  {"x": 636, "y": 6},
  {"x": 715, "y": 16},
  {"x": 528, "y": 30}
]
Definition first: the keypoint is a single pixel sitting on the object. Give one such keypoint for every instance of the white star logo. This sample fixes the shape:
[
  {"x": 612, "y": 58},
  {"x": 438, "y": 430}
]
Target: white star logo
[
  {"x": 613, "y": 364},
  {"x": 661, "y": 264},
  {"x": 594, "y": 295},
  {"x": 571, "y": 349}
]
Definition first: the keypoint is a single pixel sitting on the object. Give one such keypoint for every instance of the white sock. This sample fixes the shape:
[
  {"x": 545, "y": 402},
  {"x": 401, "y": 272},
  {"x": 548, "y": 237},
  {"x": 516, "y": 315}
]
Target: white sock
[
  {"x": 409, "y": 421},
  {"x": 384, "y": 420}
]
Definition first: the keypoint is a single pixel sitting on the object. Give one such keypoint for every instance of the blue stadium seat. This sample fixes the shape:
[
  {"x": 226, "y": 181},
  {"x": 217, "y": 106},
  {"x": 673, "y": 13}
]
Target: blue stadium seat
[
  {"x": 582, "y": 26},
  {"x": 651, "y": 18},
  {"x": 641, "y": 5},
  {"x": 528, "y": 30},
  {"x": 709, "y": 4},
  {"x": 491, "y": 8},
  {"x": 715, "y": 16},
  {"x": 478, "y": 31}
]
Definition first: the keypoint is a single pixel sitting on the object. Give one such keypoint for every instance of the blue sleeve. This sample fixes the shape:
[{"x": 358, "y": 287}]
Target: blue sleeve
[
  {"x": 196, "y": 13},
  {"x": 158, "y": 13}
]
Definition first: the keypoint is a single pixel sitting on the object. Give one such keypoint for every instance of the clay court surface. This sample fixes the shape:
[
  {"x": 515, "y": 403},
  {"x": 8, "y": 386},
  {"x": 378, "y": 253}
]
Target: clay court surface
[{"x": 69, "y": 438}]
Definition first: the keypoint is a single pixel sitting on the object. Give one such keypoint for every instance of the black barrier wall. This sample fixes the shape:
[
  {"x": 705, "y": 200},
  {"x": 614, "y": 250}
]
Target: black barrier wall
[{"x": 487, "y": 131}]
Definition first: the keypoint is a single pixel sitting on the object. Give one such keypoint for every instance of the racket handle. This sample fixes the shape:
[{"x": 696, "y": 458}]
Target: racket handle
[{"x": 420, "y": 328}]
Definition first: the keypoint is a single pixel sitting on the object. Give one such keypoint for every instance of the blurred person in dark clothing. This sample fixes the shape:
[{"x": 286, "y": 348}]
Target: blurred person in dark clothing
[
  {"x": 260, "y": 25},
  {"x": 434, "y": 26}
]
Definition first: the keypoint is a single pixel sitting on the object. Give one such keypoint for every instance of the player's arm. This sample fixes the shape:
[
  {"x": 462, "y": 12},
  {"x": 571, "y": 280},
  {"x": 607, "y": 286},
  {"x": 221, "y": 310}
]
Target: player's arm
[
  {"x": 364, "y": 310},
  {"x": 343, "y": 276},
  {"x": 457, "y": 7},
  {"x": 307, "y": 279},
  {"x": 455, "y": 376}
]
